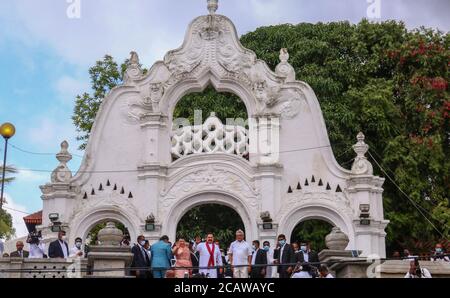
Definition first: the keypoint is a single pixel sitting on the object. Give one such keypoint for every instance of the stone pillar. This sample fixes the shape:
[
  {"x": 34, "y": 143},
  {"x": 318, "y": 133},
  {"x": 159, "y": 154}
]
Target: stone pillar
[
  {"x": 365, "y": 191},
  {"x": 153, "y": 168},
  {"x": 109, "y": 254},
  {"x": 59, "y": 195}
]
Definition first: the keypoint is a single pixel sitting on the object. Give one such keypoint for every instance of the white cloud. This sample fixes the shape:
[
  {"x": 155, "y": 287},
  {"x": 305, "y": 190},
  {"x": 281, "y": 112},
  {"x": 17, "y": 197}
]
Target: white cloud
[
  {"x": 17, "y": 212},
  {"x": 26, "y": 175},
  {"x": 49, "y": 133},
  {"x": 69, "y": 87}
]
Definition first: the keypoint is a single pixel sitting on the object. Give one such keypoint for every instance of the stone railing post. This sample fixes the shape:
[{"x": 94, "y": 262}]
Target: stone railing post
[{"x": 108, "y": 258}]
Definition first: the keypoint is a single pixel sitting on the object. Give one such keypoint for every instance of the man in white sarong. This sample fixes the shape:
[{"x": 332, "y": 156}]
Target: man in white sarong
[{"x": 210, "y": 256}]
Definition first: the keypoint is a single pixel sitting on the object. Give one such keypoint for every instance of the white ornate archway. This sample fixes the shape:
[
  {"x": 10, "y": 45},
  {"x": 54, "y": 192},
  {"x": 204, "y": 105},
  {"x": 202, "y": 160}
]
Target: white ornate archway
[
  {"x": 84, "y": 223},
  {"x": 201, "y": 198},
  {"x": 131, "y": 145},
  {"x": 322, "y": 212}
]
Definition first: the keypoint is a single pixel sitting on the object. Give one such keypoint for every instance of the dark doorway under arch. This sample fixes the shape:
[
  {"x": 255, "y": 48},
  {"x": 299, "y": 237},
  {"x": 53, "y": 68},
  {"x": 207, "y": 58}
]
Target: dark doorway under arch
[
  {"x": 219, "y": 219},
  {"x": 312, "y": 231}
]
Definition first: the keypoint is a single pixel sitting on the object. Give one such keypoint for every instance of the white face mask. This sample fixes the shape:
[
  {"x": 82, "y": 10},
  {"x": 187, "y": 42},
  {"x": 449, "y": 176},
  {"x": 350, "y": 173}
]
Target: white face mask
[
  {"x": 142, "y": 242},
  {"x": 63, "y": 238},
  {"x": 78, "y": 244}
]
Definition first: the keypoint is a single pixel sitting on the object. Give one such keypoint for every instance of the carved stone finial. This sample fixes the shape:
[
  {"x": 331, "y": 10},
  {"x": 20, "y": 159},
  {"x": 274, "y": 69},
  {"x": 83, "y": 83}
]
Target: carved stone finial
[
  {"x": 110, "y": 235},
  {"x": 361, "y": 166},
  {"x": 284, "y": 69},
  {"x": 134, "y": 58},
  {"x": 213, "y": 5},
  {"x": 62, "y": 172},
  {"x": 284, "y": 55},
  {"x": 133, "y": 70},
  {"x": 336, "y": 240}
]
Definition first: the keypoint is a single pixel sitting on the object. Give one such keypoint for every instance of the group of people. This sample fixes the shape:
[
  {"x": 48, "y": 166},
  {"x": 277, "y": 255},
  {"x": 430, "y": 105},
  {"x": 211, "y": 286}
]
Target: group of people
[
  {"x": 206, "y": 259},
  {"x": 415, "y": 270},
  {"x": 57, "y": 249}
]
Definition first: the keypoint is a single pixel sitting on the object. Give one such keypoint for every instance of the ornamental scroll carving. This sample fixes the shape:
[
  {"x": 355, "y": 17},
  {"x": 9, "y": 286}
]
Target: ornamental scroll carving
[
  {"x": 336, "y": 201},
  {"x": 212, "y": 45},
  {"x": 210, "y": 178}
]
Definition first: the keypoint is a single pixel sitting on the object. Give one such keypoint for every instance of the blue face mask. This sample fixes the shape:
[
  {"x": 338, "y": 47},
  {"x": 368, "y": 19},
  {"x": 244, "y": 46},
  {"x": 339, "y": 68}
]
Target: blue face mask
[
  {"x": 266, "y": 248},
  {"x": 438, "y": 250},
  {"x": 303, "y": 248},
  {"x": 282, "y": 242}
]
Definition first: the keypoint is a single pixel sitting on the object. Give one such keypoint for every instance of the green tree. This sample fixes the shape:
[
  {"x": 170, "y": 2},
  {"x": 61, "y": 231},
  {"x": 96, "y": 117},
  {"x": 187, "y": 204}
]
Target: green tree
[
  {"x": 312, "y": 231},
  {"x": 220, "y": 220},
  {"x": 6, "y": 225},
  {"x": 392, "y": 84}
]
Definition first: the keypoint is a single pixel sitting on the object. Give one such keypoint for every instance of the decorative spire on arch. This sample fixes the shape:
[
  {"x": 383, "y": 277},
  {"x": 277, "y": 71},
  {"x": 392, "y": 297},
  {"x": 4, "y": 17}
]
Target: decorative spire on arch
[
  {"x": 134, "y": 70},
  {"x": 213, "y": 5},
  {"x": 361, "y": 166},
  {"x": 284, "y": 68},
  {"x": 62, "y": 173}
]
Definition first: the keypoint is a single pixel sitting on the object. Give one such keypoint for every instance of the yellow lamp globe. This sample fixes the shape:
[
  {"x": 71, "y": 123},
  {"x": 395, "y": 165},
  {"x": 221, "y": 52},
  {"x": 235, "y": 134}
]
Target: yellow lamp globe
[{"x": 7, "y": 130}]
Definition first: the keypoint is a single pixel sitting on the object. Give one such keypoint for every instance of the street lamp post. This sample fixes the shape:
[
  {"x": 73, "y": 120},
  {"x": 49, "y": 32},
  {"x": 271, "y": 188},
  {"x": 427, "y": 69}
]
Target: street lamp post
[{"x": 7, "y": 131}]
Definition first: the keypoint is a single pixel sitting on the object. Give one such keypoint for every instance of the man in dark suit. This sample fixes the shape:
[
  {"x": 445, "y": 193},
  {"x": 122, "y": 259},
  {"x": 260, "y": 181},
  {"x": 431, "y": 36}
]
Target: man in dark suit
[
  {"x": 19, "y": 253},
  {"x": 306, "y": 255},
  {"x": 140, "y": 258},
  {"x": 59, "y": 248},
  {"x": 284, "y": 254},
  {"x": 259, "y": 257}
]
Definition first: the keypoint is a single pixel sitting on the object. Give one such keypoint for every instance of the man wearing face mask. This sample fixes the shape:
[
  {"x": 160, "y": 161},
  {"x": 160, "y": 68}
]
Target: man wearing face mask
[
  {"x": 76, "y": 251},
  {"x": 269, "y": 254},
  {"x": 259, "y": 258},
  {"x": 439, "y": 254},
  {"x": 284, "y": 254},
  {"x": 306, "y": 255},
  {"x": 59, "y": 247},
  {"x": 140, "y": 258}
]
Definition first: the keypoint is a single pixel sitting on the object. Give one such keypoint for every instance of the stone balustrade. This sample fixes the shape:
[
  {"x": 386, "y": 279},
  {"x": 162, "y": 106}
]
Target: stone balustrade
[{"x": 42, "y": 268}]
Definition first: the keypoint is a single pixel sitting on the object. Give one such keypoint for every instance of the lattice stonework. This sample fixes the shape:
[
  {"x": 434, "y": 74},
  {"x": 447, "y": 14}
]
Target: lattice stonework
[{"x": 211, "y": 137}]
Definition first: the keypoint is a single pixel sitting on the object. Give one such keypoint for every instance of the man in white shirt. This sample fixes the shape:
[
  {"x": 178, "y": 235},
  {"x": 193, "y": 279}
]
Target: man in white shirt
[
  {"x": 416, "y": 272},
  {"x": 76, "y": 251},
  {"x": 210, "y": 257},
  {"x": 240, "y": 254},
  {"x": 37, "y": 250}
]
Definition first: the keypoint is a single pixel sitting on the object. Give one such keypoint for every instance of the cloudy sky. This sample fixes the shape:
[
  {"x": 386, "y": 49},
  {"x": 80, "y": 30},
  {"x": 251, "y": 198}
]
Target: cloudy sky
[{"x": 47, "y": 46}]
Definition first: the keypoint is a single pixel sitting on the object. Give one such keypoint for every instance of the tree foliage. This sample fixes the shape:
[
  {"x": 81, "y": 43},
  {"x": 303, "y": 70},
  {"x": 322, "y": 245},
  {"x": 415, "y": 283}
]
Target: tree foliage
[
  {"x": 312, "y": 231},
  {"x": 6, "y": 225},
  {"x": 378, "y": 78},
  {"x": 211, "y": 218}
]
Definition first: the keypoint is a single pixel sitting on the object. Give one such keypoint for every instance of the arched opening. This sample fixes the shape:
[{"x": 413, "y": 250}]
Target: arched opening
[
  {"x": 92, "y": 234},
  {"x": 223, "y": 104},
  {"x": 219, "y": 219},
  {"x": 312, "y": 231},
  {"x": 209, "y": 122}
]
